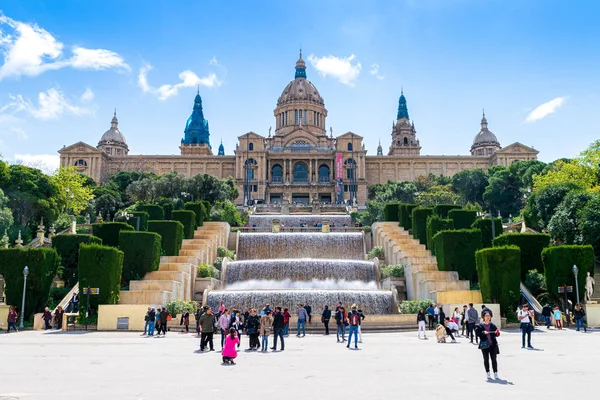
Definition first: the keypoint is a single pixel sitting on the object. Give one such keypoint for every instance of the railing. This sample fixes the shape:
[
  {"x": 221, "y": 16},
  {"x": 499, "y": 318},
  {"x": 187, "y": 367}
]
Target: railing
[{"x": 263, "y": 229}]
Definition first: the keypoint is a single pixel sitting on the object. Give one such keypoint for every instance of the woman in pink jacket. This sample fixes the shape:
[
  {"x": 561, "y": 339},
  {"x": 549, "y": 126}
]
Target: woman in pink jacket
[{"x": 229, "y": 351}]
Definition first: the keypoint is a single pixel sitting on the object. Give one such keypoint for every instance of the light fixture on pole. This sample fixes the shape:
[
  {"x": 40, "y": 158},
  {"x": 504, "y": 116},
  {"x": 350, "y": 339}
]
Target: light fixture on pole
[
  {"x": 25, "y": 273},
  {"x": 575, "y": 273}
]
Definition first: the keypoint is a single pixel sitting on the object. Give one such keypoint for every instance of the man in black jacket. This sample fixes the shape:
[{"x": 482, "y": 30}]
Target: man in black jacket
[
  {"x": 278, "y": 326},
  {"x": 547, "y": 314},
  {"x": 253, "y": 328},
  {"x": 325, "y": 317},
  {"x": 308, "y": 309}
]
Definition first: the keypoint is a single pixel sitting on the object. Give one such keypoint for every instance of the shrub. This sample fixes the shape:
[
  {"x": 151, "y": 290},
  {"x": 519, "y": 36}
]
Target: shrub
[
  {"x": 434, "y": 225},
  {"x": 42, "y": 263},
  {"x": 218, "y": 263},
  {"x": 188, "y": 220},
  {"x": 56, "y": 295},
  {"x": 141, "y": 254},
  {"x": 463, "y": 219},
  {"x": 67, "y": 247},
  {"x": 177, "y": 307},
  {"x": 109, "y": 232},
  {"x": 207, "y": 271},
  {"x": 376, "y": 251},
  {"x": 224, "y": 252},
  {"x": 100, "y": 267},
  {"x": 143, "y": 216},
  {"x": 499, "y": 271},
  {"x": 405, "y": 215},
  {"x": 455, "y": 251},
  {"x": 442, "y": 210},
  {"x": 392, "y": 271},
  {"x": 168, "y": 209},
  {"x": 531, "y": 245},
  {"x": 199, "y": 209},
  {"x": 419, "y": 223},
  {"x": 485, "y": 226},
  {"x": 171, "y": 233},
  {"x": 558, "y": 266},
  {"x": 536, "y": 283},
  {"x": 390, "y": 212},
  {"x": 413, "y": 306},
  {"x": 208, "y": 208},
  {"x": 155, "y": 212}
]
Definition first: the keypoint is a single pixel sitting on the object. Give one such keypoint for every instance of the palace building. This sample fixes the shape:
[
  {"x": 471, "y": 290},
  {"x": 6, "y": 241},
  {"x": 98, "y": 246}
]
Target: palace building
[{"x": 301, "y": 161}]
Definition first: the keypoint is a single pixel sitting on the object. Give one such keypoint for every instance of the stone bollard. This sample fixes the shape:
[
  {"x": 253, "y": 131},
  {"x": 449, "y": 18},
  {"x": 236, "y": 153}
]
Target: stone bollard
[
  {"x": 276, "y": 226},
  {"x": 325, "y": 227}
]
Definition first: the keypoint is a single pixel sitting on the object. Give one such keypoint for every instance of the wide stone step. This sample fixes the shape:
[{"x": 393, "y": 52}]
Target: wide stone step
[
  {"x": 419, "y": 260},
  {"x": 166, "y": 276},
  {"x": 155, "y": 297},
  {"x": 179, "y": 259},
  {"x": 153, "y": 285},
  {"x": 182, "y": 267},
  {"x": 457, "y": 297}
]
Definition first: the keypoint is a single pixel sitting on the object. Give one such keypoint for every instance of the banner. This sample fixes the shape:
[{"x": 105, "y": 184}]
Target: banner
[{"x": 339, "y": 166}]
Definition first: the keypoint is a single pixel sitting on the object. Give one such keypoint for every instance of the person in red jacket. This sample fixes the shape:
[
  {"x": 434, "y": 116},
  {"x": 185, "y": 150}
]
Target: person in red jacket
[
  {"x": 12, "y": 319},
  {"x": 286, "y": 321}
]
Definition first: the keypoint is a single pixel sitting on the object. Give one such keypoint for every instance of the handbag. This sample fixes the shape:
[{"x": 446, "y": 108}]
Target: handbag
[{"x": 484, "y": 344}]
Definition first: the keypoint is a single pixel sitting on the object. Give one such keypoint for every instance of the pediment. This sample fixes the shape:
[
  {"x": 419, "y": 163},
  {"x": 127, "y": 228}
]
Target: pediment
[
  {"x": 252, "y": 135},
  {"x": 79, "y": 147},
  {"x": 350, "y": 135},
  {"x": 517, "y": 148}
]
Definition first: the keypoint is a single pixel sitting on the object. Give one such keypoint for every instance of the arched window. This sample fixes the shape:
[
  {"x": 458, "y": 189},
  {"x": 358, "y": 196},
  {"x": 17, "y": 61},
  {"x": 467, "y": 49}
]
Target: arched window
[
  {"x": 300, "y": 172},
  {"x": 324, "y": 173},
  {"x": 251, "y": 163},
  {"x": 349, "y": 146},
  {"x": 251, "y": 146},
  {"x": 406, "y": 141},
  {"x": 80, "y": 163},
  {"x": 277, "y": 173}
]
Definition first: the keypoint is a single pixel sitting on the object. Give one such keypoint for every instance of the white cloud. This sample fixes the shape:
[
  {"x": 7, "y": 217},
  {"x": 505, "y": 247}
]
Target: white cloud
[
  {"x": 543, "y": 110},
  {"x": 52, "y": 104},
  {"x": 21, "y": 134},
  {"x": 30, "y": 50},
  {"x": 188, "y": 79},
  {"x": 87, "y": 96},
  {"x": 375, "y": 71},
  {"x": 47, "y": 163},
  {"x": 344, "y": 69}
]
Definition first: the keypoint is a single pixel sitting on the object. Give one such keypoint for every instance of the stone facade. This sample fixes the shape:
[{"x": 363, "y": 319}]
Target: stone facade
[{"x": 301, "y": 162}]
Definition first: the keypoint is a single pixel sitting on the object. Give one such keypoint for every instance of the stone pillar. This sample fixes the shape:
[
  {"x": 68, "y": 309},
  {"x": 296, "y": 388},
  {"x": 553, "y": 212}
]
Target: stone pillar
[
  {"x": 276, "y": 227},
  {"x": 325, "y": 227},
  {"x": 40, "y": 232},
  {"x": 19, "y": 241}
]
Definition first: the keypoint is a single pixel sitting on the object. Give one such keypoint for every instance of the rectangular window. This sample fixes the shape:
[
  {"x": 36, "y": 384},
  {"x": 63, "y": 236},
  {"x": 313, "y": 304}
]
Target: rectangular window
[
  {"x": 305, "y": 116},
  {"x": 295, "y": 117},
  {"x": 345, "y": 188}
]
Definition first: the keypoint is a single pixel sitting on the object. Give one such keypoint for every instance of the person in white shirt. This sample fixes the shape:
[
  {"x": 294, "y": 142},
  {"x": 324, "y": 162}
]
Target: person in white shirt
[{"x": 526, "y": 316}]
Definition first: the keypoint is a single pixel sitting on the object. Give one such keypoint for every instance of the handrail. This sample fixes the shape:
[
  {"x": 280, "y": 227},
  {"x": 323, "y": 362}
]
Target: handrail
[
  {"x": 535, "y": 305},
  {"x": 64, "y": 303}
]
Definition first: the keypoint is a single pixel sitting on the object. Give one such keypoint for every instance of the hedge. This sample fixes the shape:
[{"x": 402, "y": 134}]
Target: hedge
[
  {"x": 405, "y": 215},
  {"x": 208, "y": 208},
  {"x": 434, "y": 225},
  {"x": 109, "y": 232},
  {"x": 141, "y": 254},
  {"x": 531, "y": 245},
  {"x": 390, "y": 212},
  {"x": 99, "y": 267},
  {"x": 188, "y": 219},
  {"x": 463, "y": 219},
  {"x": 144, "y": 216},
  {"x": 67, "y": 247},
  {"x": 155, "y": 212},
  {"x": 419, "y": 223},
  {"x": 499, "y": 272},
  {"x": 558, "y": 266},
  {"x": 168, "y": 209},
  {"x": 199, "y": 209},
  {"x": 171, "y": 233},
  {"x": 42, "y": 263},
  {"x": 442, "y": 210},
  {"x": 485, "y": 226},
  {"x": 455, "y": 251}
]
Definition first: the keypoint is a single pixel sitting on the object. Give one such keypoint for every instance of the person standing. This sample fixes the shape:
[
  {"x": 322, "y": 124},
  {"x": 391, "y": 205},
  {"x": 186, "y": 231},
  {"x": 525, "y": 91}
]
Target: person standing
[
  {"x": 441, "y": 316},
  {"x": 488, "y": 333},
  {"x": 146, "y": 321},
  {"x": 308, "y": 309},
  {"x": 430, "y": 310},
  {"x": 151, "y": 319},
  {"x": 229, "y": 352},
  {"x": 266, "y": 327},
  {"x": 472, "y": 320},
  {"x": 253, "y": 329},
  {"x": 278, "y": 327},
  {"x": 12, "y": 319},
  {"x": 362, "y": 318},
  {"x": 197, "y": 315},
  {"x": 354, "y": 321},
  {"x": 339, "y": 321},
  {"x": 185, "y": 319},
  {"x": 157, "y": 321},
  {"x": 578, "y": 315},
  {"x": 164, "y": 315},
  {"x": 421, "y": 323},
  {"x": 547, "y": 315},
  {"x": 286, "y": 321},
  {"x": 463, "y": 320},
  {"x": 325, "y": 317},
  {"x": 58, "y": 317},
  {"x": 47, "y": 317},
  {"x": 207, "y": 328},
  {"x": 557, "y": 318},
  {"x": 239, "y": 326},
  {"x": 526, "y": 319},
  {"x": 436, "y": 314},
  {"x": 302, "y": 317},
  {"x": 456, "y": 316},
  {"x": 75, "y": 303},
  {"x": 224, "y": 322}
]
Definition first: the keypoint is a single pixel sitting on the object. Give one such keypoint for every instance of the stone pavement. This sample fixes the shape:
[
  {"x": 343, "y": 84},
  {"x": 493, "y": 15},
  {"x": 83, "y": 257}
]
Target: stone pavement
[{"x": 122, "y": 365}]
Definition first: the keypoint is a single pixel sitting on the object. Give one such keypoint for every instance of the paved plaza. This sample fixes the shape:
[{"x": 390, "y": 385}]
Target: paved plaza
[{"x": 120, "y": 365}]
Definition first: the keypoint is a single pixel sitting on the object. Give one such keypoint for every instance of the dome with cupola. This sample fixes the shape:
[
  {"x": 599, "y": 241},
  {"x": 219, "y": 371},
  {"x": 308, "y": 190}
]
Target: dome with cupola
[
  {"x": 300, "y": 90},
  {"x": 485, "y": 142},
  {"x": 113, "y": 141}
]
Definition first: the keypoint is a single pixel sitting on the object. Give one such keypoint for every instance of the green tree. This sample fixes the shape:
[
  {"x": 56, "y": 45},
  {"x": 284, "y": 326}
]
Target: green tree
[
  {"x": 73, "y": 194},
  {"x": 437, "y": 194},
  {"x": 542, "y": 204},
  {"x": 503, "y": 193},
  {"x": 567, "y": 172},
  {"x": 565, "y": 223},
  {"x": 106, "y": 201},
  {"x": 525, "y": 170},
  {"x": 470, "y": 185},
  {"x": 590, "y": 224},
  {"x": 6, "y": 217}
]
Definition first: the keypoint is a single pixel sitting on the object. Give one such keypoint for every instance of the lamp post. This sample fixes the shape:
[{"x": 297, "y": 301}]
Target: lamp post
[
  {"x": 25, "y": 273},
  {"x": 575, "y": 271},
  {"x": 127, "y": 216}
]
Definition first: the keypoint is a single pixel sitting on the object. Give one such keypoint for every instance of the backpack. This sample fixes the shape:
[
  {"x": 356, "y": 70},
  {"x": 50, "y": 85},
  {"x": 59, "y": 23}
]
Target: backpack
[{"x": 354, "y": 319}]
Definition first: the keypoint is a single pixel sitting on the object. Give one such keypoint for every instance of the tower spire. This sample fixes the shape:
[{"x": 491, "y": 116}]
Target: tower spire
[
  {"x": 402, "y": 108},
  {"x": 484, "y": 122},
  {"x": 300, "y": 67}
]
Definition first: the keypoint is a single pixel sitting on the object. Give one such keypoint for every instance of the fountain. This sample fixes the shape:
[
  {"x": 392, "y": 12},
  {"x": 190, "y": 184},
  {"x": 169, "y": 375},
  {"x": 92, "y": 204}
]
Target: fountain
[{"x": 295, "y": 220}]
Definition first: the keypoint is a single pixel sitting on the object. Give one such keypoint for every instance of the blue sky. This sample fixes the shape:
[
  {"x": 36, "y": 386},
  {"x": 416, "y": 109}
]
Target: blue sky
[{"x": 533, "y": 65}]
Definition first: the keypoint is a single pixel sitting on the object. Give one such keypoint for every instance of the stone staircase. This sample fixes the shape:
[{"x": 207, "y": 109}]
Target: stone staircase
[
  {"x": 424, "y": 280},
  {"x": 176, "y": 275}
]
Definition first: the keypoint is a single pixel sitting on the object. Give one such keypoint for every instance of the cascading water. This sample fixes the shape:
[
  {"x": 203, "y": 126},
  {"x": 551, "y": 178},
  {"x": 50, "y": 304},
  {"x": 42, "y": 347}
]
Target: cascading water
[{"x": 296, "y": 220}]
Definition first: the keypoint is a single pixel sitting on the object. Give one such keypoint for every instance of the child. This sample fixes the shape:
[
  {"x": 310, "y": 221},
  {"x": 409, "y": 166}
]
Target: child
[
  {"x": 557, "y": 318},
  {"x": 230, "y": 351}
]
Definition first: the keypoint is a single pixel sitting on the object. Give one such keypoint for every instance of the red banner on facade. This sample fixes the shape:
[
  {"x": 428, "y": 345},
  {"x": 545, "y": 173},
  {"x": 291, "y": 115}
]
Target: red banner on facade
[{"x": 339, "y": 166}]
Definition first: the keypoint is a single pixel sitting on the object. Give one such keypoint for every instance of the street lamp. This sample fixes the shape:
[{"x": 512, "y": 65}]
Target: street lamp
[
  {"x": 575, "y": 271},
  {"x": 25, "y": 273}
]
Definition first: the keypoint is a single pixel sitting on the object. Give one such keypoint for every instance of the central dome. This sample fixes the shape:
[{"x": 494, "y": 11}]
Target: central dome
[
  {"x": 300, "y": 90},
  {"x": 113, "y": 135}
]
